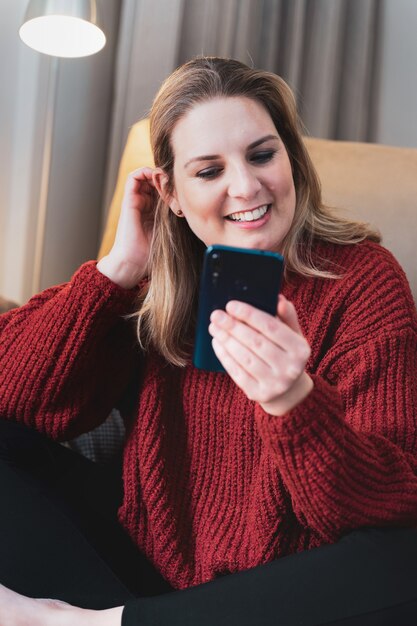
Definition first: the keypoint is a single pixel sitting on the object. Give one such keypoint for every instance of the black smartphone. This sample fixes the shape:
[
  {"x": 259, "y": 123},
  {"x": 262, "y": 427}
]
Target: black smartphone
[{"x": 252, "y": 276}]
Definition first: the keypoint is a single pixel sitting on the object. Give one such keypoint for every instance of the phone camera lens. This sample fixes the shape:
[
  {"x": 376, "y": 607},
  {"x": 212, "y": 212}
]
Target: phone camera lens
[{"x": 216, "y": 262}]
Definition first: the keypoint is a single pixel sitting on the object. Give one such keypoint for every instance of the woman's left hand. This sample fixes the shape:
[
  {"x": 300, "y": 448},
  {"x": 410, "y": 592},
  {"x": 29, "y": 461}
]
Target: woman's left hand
[{"x": 264, "y": 355}]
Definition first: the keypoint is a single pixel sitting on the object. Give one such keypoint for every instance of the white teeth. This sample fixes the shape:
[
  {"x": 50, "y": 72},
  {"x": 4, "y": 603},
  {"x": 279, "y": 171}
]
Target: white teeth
[{"x": 249, "y": 216}]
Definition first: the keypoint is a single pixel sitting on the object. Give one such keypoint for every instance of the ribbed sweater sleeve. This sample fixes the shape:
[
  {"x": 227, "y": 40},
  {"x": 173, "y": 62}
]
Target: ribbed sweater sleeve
[
  {"x": 348, "y": 453},
  {"x": 66, "y": 356}
]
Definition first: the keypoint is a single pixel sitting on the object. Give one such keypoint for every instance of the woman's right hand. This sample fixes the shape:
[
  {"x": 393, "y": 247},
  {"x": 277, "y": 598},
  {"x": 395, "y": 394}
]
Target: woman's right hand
[{"x": 126, "y": 262}]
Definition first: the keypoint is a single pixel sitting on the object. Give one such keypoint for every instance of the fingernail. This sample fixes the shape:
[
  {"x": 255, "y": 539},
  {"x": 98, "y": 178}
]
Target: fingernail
[
  {"x": 233, "y": 307},
  {"x": 219, "y": 317}
]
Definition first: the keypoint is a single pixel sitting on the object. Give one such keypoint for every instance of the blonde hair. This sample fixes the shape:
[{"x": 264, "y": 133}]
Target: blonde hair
[{"x": 168, "y": 302}]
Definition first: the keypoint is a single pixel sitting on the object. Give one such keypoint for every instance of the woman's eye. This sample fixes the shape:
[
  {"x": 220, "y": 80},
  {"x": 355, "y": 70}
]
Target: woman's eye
[
  {"x": 210, "y": 172},
  {"x": 263, "y": 157}
]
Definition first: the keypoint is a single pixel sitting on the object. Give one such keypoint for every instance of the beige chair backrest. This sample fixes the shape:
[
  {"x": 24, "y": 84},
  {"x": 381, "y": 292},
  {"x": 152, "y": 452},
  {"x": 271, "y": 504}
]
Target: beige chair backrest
[
  {"x": 371, "y": 182},
  {"x": 376, "y": 184}
]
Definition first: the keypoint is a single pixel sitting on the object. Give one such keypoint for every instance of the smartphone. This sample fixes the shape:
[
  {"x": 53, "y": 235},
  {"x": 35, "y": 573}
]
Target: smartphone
[{"x": 252, "y": 276}]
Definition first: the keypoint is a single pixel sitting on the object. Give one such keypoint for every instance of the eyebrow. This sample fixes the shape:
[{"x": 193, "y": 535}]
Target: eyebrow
[{"x": 213, "y": 157}]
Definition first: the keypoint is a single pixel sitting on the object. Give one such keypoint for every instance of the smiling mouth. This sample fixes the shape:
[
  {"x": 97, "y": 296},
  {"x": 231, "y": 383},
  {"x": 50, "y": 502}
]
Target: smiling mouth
[{"x": 249, "y": 216}]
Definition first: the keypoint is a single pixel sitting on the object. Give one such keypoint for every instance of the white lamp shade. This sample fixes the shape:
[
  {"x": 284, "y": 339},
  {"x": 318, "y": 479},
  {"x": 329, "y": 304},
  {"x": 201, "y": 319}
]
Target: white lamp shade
[{"x": 63, "y": 28}]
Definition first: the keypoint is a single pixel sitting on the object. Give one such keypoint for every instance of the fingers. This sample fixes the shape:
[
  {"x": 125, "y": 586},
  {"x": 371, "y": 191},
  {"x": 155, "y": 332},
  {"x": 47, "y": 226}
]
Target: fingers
[
  {"x": 143, "y": 173},
  {"x": 139, "y": 192},
  {"x": 236, "y": 372},
  {"x": 141, "y": 180},
  {"x": 264, "y": 355},
  {"x": 251, "y": 372},
  {"x": 228, "y": 329},
  {"x": 287, "y": 313},
  {"x": 245, "y": 349},
  {"x": 287, "y": 336}
]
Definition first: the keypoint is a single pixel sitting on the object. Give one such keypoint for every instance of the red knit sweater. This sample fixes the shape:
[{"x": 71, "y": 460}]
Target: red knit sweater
[{"x": 213, "y": 484}]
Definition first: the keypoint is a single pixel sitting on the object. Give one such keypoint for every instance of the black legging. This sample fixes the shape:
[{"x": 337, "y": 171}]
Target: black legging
[{"x": 59, "y": 538}]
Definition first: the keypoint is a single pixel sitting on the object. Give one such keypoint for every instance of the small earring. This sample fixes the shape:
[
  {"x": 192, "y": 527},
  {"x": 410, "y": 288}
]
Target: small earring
[{"x": 180, "y": 213}]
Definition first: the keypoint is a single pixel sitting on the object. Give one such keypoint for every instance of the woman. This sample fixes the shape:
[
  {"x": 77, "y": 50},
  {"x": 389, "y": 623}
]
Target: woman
[{"x": 309, "y": 436}]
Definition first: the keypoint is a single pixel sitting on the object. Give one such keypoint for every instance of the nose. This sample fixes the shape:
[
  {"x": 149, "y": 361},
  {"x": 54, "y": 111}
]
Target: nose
[{"x": 243, "y": 182}]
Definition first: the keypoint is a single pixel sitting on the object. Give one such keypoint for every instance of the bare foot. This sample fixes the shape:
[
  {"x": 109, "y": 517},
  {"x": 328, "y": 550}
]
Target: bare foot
[{"x": 18, "y": 610}]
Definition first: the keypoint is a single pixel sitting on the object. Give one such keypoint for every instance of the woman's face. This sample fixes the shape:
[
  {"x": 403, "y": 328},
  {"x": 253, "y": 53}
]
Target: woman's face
[{"x": 232, "y": 175}]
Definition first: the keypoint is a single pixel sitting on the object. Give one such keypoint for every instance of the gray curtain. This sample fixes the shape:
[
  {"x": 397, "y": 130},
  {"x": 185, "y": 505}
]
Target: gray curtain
[{"x": 327, "y": 50}]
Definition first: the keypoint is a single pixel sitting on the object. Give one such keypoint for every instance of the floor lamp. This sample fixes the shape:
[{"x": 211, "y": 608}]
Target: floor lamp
[{"x": 57, "y": 28}]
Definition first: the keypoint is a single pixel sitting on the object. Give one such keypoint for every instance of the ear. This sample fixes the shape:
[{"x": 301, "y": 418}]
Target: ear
[{"x": 160, "y": 180}]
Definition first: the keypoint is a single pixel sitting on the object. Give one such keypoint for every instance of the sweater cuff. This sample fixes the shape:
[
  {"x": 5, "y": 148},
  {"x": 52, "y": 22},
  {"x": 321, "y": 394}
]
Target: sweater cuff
[
  {"x": 322, "y": 407},
  {"x": 96, "y": 287}
]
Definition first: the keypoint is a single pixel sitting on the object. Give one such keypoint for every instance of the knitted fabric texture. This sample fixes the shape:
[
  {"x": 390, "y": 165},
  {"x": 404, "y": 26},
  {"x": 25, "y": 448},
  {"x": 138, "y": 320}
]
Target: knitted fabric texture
[{"x": 213, "y": 484}]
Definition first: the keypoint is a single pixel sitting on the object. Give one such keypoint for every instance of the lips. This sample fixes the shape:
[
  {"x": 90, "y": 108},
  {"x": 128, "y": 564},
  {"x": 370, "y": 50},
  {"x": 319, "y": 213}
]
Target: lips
[{"x": 249, "y": 216}]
